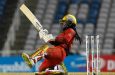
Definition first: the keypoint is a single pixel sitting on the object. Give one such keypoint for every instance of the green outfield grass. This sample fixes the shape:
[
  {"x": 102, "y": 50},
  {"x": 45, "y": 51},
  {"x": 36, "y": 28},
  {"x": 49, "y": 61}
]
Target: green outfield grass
[{"x": 71, "y": 73}]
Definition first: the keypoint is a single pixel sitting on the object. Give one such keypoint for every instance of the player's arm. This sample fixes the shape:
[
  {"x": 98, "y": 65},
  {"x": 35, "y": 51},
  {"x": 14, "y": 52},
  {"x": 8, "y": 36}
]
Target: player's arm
[
  {"x": 57, "y": 41},
  {"x": 65, "y": 37}
]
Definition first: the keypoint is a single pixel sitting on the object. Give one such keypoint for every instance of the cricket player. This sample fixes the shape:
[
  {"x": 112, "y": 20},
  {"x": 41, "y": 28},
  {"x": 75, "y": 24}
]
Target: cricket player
[{"x": 56, "y": 54}]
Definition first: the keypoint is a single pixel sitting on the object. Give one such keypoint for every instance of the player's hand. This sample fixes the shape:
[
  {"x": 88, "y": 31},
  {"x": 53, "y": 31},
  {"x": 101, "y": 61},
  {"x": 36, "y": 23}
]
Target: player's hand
[{"x": 43, "y": 34}]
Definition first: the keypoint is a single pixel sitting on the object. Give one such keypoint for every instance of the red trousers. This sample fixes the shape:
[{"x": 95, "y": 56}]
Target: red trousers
[{"x": 56, "y": 55}]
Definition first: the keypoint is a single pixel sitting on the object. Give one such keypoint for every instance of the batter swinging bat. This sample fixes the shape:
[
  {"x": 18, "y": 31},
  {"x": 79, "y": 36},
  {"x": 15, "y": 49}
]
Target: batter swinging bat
[{"x": 43, "y": 33}]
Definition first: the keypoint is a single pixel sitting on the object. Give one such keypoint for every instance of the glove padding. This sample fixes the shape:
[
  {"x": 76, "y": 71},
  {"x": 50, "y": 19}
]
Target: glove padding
[{"x": 43, "y": 34}]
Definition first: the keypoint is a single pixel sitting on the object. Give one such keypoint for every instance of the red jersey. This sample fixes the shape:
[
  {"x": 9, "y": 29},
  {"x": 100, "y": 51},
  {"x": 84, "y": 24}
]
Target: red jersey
[
  {"x": 58, "y": 52},
  {"x": 65, "y": 39}
]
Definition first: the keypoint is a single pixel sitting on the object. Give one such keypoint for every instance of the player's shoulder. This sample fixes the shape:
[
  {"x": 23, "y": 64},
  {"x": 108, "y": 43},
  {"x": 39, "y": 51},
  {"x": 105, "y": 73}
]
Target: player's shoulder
[{"x": 70, "y": 30}]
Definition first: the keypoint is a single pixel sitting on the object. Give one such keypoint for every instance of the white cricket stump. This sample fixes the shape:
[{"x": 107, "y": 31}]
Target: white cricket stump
[{"x": 92, "y": 49}]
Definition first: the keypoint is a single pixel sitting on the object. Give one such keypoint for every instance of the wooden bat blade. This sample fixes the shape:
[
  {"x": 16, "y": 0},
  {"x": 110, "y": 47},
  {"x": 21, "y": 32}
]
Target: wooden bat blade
[{"x": 30, "y": 16}]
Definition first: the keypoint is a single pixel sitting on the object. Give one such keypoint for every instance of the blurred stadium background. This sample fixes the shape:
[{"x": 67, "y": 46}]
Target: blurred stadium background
[{"x": 17, "y": 35}]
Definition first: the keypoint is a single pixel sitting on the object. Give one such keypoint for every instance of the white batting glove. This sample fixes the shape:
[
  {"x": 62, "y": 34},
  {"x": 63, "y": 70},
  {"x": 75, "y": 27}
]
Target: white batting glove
[{"x": 43, "y": 34}]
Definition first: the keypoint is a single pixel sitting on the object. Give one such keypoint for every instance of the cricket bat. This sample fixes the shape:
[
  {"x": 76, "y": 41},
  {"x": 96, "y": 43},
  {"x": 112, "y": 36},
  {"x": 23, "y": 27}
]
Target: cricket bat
[{"x": 43, "y": 33}]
